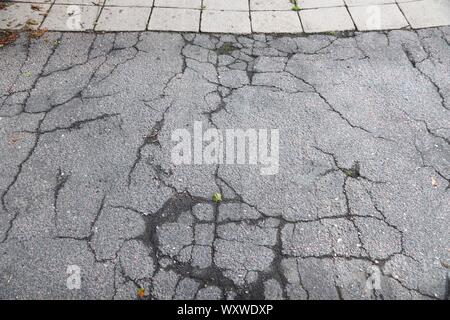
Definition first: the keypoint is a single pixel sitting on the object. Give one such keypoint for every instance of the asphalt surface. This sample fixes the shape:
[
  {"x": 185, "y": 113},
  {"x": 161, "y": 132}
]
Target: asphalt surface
[{"x": 362, "y": 191}]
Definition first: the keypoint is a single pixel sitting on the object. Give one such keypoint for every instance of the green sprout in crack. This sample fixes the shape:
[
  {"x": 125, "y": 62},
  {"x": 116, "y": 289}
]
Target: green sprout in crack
[
  {"x": 353, "y": 172},
  {"x": 217, "y": 197},
  {"x": 226, "y": 48},
  {"x": 295, "y": 6}
]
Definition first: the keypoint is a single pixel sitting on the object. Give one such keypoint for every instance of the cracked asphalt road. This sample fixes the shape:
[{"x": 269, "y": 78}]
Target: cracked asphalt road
[{"x": 363, "y": 185}]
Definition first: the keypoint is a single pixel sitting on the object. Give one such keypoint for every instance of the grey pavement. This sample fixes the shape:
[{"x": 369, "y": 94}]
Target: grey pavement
[{"x": 358, "y": 210}]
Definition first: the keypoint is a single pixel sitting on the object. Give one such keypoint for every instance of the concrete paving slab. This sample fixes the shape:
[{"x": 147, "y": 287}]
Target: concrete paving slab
[
  {"x": 225, "y": 21},
  {"x": 378, "y": 17},
  {"x": 366, "y": 2},
  {"x": 175, "y": 19},
  {"x": 81, "y": 2},
  {"x": 129, "y": 3},
  {"x": 71, "y": 18},
  {"x": 276, "y": 22},
  {"x": 16, "y": 16},
  {"x": 326, "y": 19},
  {"x": 256, "y": 5},
  {"x": 190, "y": 4},
  {"x": 123, "y": 19},
  {"x": 427, "y": 13},
  {"x": 35, "y": 1},
  {"x": 312, "y": 4},
  {"x": 229, "y": 5}
]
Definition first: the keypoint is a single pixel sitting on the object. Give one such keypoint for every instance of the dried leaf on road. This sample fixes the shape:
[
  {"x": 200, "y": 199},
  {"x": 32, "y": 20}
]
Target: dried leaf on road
[
  {"x": 32, "y": 22},
  {"x": 434, "y": 182},
  {"x": 140, "y": 293},
  {"x": 37, "y": 33},
  {"x": 7, "y": 37}
]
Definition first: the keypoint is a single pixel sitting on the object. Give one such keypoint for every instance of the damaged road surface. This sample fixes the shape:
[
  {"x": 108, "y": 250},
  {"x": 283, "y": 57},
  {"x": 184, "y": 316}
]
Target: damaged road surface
[{"x": 358, "y": 208}]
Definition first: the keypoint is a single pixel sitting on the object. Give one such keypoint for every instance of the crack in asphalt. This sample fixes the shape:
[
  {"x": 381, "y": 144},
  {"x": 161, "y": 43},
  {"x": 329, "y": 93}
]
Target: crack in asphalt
[{"x": 212, "y": 58}]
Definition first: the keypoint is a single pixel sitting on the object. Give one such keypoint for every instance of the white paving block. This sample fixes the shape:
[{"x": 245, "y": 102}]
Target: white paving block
[
  {"x": 123, "y": 19},
  {"x": 34, "y": 1},
  {"x": 326, "y": 19},
  {"x": 276, "y": 22},
  {"x": 367, "y": 2},
  {"x": 312, "y": 4},
  {"x": 71, "y": 18},
  {"x": 192, "y": 4},
  {"x": 225, "y": 21},
  {"x": 16, "y": 16},
  {"x": 380, "y": 17},
  {"x": 229, "y": 5},
  {"x": 427, "y": 13},
  {"x": 270, "y": 5},
  {"x": 129, "y": 3},
  {"x": 172, "y": 19},
  {"x": 81, "y": 2}
]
